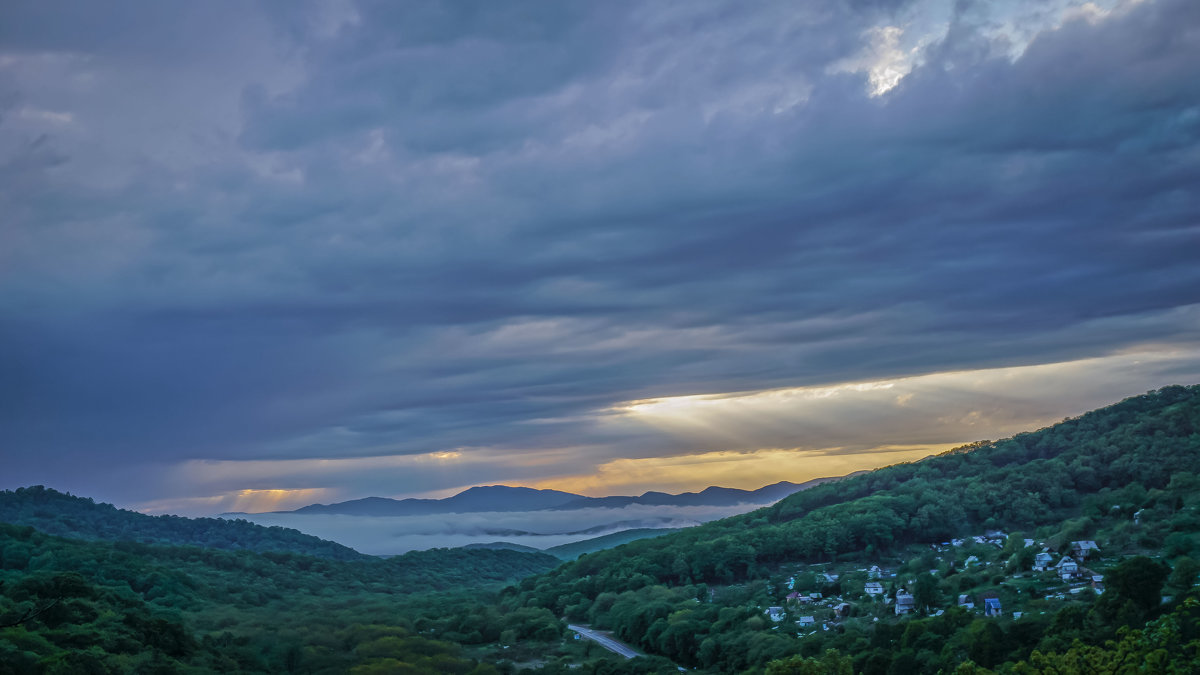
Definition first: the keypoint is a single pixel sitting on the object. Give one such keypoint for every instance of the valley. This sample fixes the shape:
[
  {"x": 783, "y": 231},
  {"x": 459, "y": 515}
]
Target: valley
[{"x": 1074, "y": 544}]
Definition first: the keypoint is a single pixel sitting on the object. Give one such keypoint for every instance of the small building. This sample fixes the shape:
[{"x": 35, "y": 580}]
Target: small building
[
  {"x": 1084, "y": 549},
  {"x": 1067, "y": 568},
  {"x": 829, "y": 578},
  {"x": 873, "y": 588},
  {"x": 1098, "y": 583},
  {"x": 964, "y": 601},
  {"x": 775, "y": 613},
  {"x": 806, "y": 621},
  {"x": 904, "y": 602},
  {"x": 842, "y": 610},
  {"x": 815, "y": 596},
  {"x": 874, "y": 572},
  {"x": 971, "y": 560},
  {"x": 1042, "y": 561},
  {"x": 991, "y": 607}
]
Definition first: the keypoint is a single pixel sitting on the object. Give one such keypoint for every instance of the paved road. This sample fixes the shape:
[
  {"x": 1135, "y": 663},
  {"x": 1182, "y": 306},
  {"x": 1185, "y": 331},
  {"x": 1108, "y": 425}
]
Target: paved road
[{"x": 612, "y": 645}]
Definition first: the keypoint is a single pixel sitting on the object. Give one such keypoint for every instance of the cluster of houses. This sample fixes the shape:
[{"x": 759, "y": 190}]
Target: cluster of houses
[{"x": 1068, "y": 568}]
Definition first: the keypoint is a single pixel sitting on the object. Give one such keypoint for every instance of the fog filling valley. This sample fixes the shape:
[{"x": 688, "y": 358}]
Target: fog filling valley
[{"x": 391, "y": 535}]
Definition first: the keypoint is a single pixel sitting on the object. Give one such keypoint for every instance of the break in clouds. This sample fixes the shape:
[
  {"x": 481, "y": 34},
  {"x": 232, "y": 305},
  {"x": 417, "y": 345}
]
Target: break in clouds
[{"x": 279, "y": 254}]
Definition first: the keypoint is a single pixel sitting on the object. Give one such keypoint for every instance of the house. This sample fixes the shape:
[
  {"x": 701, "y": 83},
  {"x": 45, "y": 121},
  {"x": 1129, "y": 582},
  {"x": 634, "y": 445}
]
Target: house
[
  {"x": 829, "y": 578},
  {"x": 1067, "y": 568},
  {"x": 775, "y": 613},
  {"x": 991, "y": 607},
  {"x": 795, "y": 596},
  {"x": 1017, "y": 615},
  {"x": 971, "y": 560},
  {"x": 842, "y": 610},
  {"x": 1084, "y": 549},
  {"x": 806, "y": 621},
  {"x": 1098, "y": 583},
  {"x": 1029, "y": 542},
  {"x": 815, "y": 596},
  {"x": 956, "y": 542},
  {"x": 874, "y": 572},
  {"x": 964, "y": 601},
  {"x": 1042, "y": 560},
  {"x": 873, "y": 588},
  {"x": 904, "y": 602}
]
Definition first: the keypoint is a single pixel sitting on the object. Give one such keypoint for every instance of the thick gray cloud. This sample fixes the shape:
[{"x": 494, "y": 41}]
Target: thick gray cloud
[{"x": 255, "y": 232}]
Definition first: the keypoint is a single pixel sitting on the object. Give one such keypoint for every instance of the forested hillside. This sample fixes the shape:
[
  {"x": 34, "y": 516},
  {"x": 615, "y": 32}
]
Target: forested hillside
[
  {"x": 54, "y": 512},
  {"x": 69, "y": 606},
  {"x": 1082, "y": 479},
  {"x": 1071, "y": 549}
]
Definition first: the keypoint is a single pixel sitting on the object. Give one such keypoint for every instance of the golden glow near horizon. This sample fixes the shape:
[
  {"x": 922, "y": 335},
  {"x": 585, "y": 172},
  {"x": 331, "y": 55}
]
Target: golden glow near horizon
[
  {"x": 745, "y": 470},
  {"x": 732, "y": 439},
  {"x": 244, "y": 501}
]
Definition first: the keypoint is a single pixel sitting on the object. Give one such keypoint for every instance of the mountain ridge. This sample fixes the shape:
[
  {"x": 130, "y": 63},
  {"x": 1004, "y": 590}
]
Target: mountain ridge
[{"x": 506, "y": 498}]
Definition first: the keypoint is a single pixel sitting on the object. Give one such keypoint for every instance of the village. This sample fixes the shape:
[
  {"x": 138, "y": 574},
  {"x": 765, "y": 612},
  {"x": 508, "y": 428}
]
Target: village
[{"x": 991, "y": 574}]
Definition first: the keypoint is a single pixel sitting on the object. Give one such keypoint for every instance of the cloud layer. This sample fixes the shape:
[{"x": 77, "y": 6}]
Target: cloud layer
[{"x": 367, "y": 248}]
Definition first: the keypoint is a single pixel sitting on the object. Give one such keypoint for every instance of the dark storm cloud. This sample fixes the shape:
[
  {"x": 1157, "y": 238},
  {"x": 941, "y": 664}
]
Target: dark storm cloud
[{"x": 355, "y": 230}]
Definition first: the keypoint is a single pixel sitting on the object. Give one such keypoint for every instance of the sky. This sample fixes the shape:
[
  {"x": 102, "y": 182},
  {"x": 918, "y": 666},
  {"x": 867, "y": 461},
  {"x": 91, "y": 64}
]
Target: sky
[{"x": 255, "y": 255}]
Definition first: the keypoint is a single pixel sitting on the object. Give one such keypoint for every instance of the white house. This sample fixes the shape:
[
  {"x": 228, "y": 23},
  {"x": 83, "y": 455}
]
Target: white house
[
  {"x": 806, "y": 621},
  {"x": 1084, "y": 549},
  {"x": 1042, "y": 560},
  {"x": 873, "y": 588},
  {"x": 904, "y": 602},
  {"x": 1067, "y": 568},
  {"x": 775, "y": 613}
]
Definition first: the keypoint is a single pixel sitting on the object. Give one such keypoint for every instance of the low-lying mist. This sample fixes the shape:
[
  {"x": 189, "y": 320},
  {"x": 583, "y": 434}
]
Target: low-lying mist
[{"x": 391, "y": 535}]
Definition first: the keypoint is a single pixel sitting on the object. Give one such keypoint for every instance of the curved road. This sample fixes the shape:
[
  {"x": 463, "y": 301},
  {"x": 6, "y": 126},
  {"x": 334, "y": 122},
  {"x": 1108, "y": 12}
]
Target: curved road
[{"x": 612, "y": 645}]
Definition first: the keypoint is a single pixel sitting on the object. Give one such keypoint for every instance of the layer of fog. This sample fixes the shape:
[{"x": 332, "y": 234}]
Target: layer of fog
[{"x": 390, "y": 535}]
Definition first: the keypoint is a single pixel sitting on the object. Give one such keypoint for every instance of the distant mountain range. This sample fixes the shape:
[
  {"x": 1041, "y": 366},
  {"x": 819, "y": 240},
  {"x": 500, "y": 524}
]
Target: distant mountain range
[{"x": 498, "y": 498}]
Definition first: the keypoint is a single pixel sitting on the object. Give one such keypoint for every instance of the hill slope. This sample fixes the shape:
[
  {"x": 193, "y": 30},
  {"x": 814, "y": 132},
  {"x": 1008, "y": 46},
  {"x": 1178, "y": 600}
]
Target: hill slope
[
  {"x": 69, "y": 606},
  {"x": 56, "y": 513},
  {"x": 1081, "y": 479},
  {"x": 575, "y": 549}
]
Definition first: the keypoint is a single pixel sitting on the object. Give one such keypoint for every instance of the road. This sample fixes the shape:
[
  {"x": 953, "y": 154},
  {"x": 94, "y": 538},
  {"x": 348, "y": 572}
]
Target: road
[{"x": 611, "y": 644}]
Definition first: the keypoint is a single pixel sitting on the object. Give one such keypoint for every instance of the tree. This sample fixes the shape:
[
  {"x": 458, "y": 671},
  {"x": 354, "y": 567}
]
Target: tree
[
  {"x": 1184, "y": 575},
  {"x": 1139, "y": 580},
  {"x": 830, "y": 663},
  {"x": 926, "y": 593}
]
